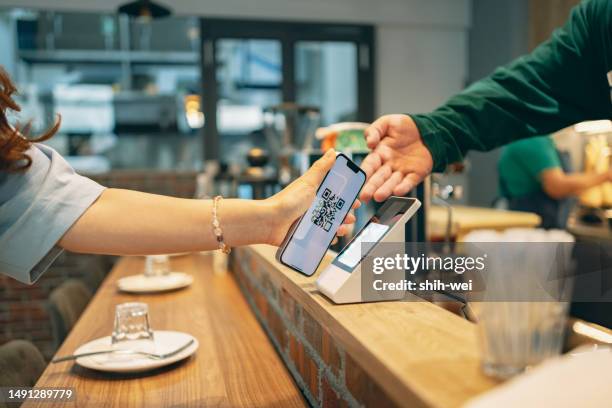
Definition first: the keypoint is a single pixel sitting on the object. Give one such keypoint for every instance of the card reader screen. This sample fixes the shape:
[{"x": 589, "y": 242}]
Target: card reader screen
[
  {"x": 376, "y": 228},
  {"x": 372, "y": 232}
]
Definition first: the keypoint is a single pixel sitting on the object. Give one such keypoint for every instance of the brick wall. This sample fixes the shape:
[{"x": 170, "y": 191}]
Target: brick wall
[
  {"x": 24, "y": 309},
  {"x": 327, "y": 375}
]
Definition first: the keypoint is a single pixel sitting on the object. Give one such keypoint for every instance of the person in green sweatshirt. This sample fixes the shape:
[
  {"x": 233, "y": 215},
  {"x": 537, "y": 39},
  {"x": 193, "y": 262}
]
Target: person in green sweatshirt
[
  {"x": 535, "y": 176},
  {"x": 565, "y": 80}
]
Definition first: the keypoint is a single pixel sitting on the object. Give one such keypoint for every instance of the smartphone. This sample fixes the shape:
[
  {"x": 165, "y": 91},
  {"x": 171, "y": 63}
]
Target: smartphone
[{"x": 308, "y": 239}]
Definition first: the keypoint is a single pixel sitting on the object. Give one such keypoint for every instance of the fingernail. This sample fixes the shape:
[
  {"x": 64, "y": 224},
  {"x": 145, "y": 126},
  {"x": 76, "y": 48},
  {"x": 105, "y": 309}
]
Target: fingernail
[{"x": 330, "y": 152}]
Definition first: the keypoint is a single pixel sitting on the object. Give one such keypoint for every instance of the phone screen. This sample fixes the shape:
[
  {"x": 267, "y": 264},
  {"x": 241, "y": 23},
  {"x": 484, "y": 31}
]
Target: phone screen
[
  {"x": 317, "y": 228},
  {"x": 378, "y": 226}
]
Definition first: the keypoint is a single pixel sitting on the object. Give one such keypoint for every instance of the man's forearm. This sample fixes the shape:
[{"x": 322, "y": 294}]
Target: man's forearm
[
  {"x": 557, "y": 85},
  {"x": 123, "y": 222},
  {"x": 574, "y": 184}
]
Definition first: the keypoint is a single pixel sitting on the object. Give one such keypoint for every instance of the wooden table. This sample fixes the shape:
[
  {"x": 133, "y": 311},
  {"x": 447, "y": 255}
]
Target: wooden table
[{"x": 235, "y": 366}]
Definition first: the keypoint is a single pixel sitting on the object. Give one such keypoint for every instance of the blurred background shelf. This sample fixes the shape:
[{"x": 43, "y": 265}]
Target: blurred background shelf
[{"x": 109, "y": 56}]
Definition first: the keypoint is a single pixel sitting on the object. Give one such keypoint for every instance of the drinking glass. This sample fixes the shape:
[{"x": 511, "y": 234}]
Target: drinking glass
[
  {"x": 523, "y": 309},
  {"x": 131, "y": 323},
  {"x": 157, "y": 265},
  {"x": 518, "y": 335}
]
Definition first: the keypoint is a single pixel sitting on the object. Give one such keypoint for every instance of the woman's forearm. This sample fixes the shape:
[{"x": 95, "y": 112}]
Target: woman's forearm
[{"x": 123, "y": 222}]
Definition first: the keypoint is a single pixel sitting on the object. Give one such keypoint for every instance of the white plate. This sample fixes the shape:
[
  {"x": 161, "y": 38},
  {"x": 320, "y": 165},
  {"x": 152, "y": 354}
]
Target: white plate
[
  {"x": 174, "y": 254},
  {"x": 146, "y": 284},
  {"x": 165, "y": 342}
]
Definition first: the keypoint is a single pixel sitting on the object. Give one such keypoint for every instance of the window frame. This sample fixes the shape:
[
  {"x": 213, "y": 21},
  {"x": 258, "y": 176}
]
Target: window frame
[{"x": 288, "y": 33}]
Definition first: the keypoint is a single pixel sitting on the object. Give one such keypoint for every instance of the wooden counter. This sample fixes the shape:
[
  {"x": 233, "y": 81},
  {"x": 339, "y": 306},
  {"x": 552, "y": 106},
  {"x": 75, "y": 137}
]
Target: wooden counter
[
  {"x": 415, "y": 353},
  {"x": 235, "y": 365},
  {"x": 466, "y": 219}
]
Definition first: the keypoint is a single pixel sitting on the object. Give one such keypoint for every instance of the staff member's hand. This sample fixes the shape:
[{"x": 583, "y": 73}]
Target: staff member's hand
[
  {"x": 399, "y": 159},
  {"x": 293, "y": 201}
]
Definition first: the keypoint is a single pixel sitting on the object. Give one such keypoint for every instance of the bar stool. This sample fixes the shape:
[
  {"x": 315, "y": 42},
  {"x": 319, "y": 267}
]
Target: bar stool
[
  {"x": 21, "y": 364},
  {"x": 66, "y": 304},
  {"x": 95, "y": 275}
]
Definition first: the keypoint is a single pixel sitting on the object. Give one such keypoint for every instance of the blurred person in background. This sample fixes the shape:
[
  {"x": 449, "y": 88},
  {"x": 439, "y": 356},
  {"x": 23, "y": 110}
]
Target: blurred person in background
[
  {"x": 536, "y": 177},
  {"x": 45, "y": 207}
]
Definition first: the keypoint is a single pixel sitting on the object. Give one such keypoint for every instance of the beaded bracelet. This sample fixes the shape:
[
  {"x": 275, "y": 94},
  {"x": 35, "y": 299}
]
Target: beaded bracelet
[{"x": 216, "y": 224}]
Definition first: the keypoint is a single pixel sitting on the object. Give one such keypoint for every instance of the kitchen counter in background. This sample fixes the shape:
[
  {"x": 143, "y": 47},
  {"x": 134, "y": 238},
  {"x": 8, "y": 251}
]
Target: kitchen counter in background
[{"x": 466, "y": 219}]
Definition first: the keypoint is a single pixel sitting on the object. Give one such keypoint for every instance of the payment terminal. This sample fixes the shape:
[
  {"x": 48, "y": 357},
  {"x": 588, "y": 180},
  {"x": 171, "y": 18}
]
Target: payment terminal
[{"x": 341, "y": 280}]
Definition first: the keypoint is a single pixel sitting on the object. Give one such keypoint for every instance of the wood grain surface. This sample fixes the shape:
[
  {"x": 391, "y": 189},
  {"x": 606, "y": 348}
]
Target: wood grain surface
[
  {"x": 419, "y": 353},
  {"x": 235, "y": 365}
]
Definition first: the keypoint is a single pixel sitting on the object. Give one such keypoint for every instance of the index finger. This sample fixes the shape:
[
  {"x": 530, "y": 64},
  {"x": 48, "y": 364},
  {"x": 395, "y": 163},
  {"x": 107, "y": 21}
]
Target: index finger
[{"x": 371, "y": 163}]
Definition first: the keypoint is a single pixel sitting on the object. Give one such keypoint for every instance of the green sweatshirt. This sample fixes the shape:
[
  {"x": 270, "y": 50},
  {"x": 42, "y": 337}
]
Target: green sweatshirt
[{"x": 562, "y": 82}]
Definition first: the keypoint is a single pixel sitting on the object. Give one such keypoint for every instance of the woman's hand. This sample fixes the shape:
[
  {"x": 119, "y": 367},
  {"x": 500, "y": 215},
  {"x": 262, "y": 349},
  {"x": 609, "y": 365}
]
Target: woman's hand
[{"x": 292, "y": 202}]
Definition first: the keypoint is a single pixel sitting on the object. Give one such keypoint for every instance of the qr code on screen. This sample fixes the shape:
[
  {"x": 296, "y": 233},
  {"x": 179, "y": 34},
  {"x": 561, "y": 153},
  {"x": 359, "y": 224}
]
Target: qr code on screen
[{"x": 325, "y": 211}]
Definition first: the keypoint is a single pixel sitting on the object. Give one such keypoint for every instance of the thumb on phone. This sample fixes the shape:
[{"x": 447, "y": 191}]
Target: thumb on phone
[{"x": 315, "y": 175}]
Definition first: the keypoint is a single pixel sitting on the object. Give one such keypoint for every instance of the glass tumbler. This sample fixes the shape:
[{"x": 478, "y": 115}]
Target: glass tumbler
[
  {"x": 518, "y": 335},
  {"x": 157, "y": 265},
  {"x": 131, "y": 323},
  {"x": 522, "y": 310}
]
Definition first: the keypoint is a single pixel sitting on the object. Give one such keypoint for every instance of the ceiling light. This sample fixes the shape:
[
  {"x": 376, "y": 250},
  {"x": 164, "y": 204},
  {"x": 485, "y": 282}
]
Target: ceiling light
[{"x": 144, "y": 10}]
